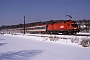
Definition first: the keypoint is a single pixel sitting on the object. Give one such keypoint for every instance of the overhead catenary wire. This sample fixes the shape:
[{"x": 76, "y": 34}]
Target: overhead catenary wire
[
  {"x": 56, "y": 7},
  {"x": 74, "y": 13}
]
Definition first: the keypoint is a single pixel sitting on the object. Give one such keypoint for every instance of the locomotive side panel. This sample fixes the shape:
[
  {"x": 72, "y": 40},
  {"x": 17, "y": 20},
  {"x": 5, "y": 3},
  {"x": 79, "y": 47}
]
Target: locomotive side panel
[
  {"x": 56, "y": 27},
  {"x": 59, "y": 26}
]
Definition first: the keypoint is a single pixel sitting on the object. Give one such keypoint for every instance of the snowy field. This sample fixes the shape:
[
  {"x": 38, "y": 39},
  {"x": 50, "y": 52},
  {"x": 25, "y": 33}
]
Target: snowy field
[{"x": 42, "y": 47}]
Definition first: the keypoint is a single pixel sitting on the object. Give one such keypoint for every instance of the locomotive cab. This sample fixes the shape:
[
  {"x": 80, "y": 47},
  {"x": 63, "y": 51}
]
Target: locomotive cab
[{"x": 72, "y": 27}]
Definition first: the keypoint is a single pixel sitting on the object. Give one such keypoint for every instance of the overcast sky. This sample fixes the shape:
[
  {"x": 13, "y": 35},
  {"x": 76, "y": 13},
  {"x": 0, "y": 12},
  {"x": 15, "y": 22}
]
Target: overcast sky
[{"x": 13, "y": 11}]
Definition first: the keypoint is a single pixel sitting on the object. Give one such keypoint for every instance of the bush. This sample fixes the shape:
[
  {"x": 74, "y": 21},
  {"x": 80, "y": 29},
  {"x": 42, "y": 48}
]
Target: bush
[
  {"x": 74, "y": 40},
  {"x": 85, "y": 42},
  {"x": 53, "y": 38}
]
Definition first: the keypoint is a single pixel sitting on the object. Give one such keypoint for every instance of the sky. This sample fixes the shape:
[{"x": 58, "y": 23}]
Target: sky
[{"x": 13, "y": 11}]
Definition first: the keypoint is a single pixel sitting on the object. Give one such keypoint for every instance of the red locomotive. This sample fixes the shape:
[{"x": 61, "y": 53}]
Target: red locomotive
[{"x": 65, "y": 27}]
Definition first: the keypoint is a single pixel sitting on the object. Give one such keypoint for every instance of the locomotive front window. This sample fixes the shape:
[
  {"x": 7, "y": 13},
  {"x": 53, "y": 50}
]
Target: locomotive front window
[{"x": 74, "y": 24}]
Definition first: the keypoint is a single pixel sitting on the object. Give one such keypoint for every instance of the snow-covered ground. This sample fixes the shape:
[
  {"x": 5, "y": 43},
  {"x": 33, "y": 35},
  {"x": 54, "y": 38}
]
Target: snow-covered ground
[
  {"x": 42, "y": 47},
  {"x": 61, "y": 39}
]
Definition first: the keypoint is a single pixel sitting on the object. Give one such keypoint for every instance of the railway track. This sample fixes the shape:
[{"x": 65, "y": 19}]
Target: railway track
[
  {"x": 82, "y": 35},
  {"x": 60, "y": 36},
  {"x": 46, "y": 35},
  {"x": 77, "y": 34}
]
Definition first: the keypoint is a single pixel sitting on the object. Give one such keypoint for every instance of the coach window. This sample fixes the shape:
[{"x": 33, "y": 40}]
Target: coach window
[
  {"x": 30, "y": 28},
  {"x": 26, "y": 28},
  {"x": 41, "y": 27},
  {"x": 44, "y": 27},
  {"x": 38, "y": 27}
]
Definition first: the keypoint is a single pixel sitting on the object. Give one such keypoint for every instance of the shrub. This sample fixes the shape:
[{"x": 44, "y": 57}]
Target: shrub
[
  {"x": 74, "y": 40},
  {"x": 53, "y": 38},
  {"x": 45, "y": 38},
  {"x": 85, "y": 42}
]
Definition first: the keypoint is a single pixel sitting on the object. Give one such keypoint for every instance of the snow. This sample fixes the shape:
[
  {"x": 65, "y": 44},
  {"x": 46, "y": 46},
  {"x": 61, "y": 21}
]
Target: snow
[{"x": 41, "y": 47}]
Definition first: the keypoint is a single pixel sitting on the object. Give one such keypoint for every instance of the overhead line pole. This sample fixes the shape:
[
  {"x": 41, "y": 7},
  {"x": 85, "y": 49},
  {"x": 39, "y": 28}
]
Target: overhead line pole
[{"x": 24, "y": 24}]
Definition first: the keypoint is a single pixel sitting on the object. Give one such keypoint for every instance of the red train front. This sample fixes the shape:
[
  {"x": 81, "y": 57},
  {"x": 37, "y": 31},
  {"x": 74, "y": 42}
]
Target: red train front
[{"x": 65, "y": 27}]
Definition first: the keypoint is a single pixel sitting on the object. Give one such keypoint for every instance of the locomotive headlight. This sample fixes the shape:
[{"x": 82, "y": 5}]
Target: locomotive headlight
[{"x": 75, "y": 28}]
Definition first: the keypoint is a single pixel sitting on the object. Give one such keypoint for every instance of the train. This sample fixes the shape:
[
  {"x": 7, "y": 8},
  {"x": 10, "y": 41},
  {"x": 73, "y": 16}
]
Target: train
[
  {"x": 50, "y": 27},
  {"x": 64, "y": 27}
]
